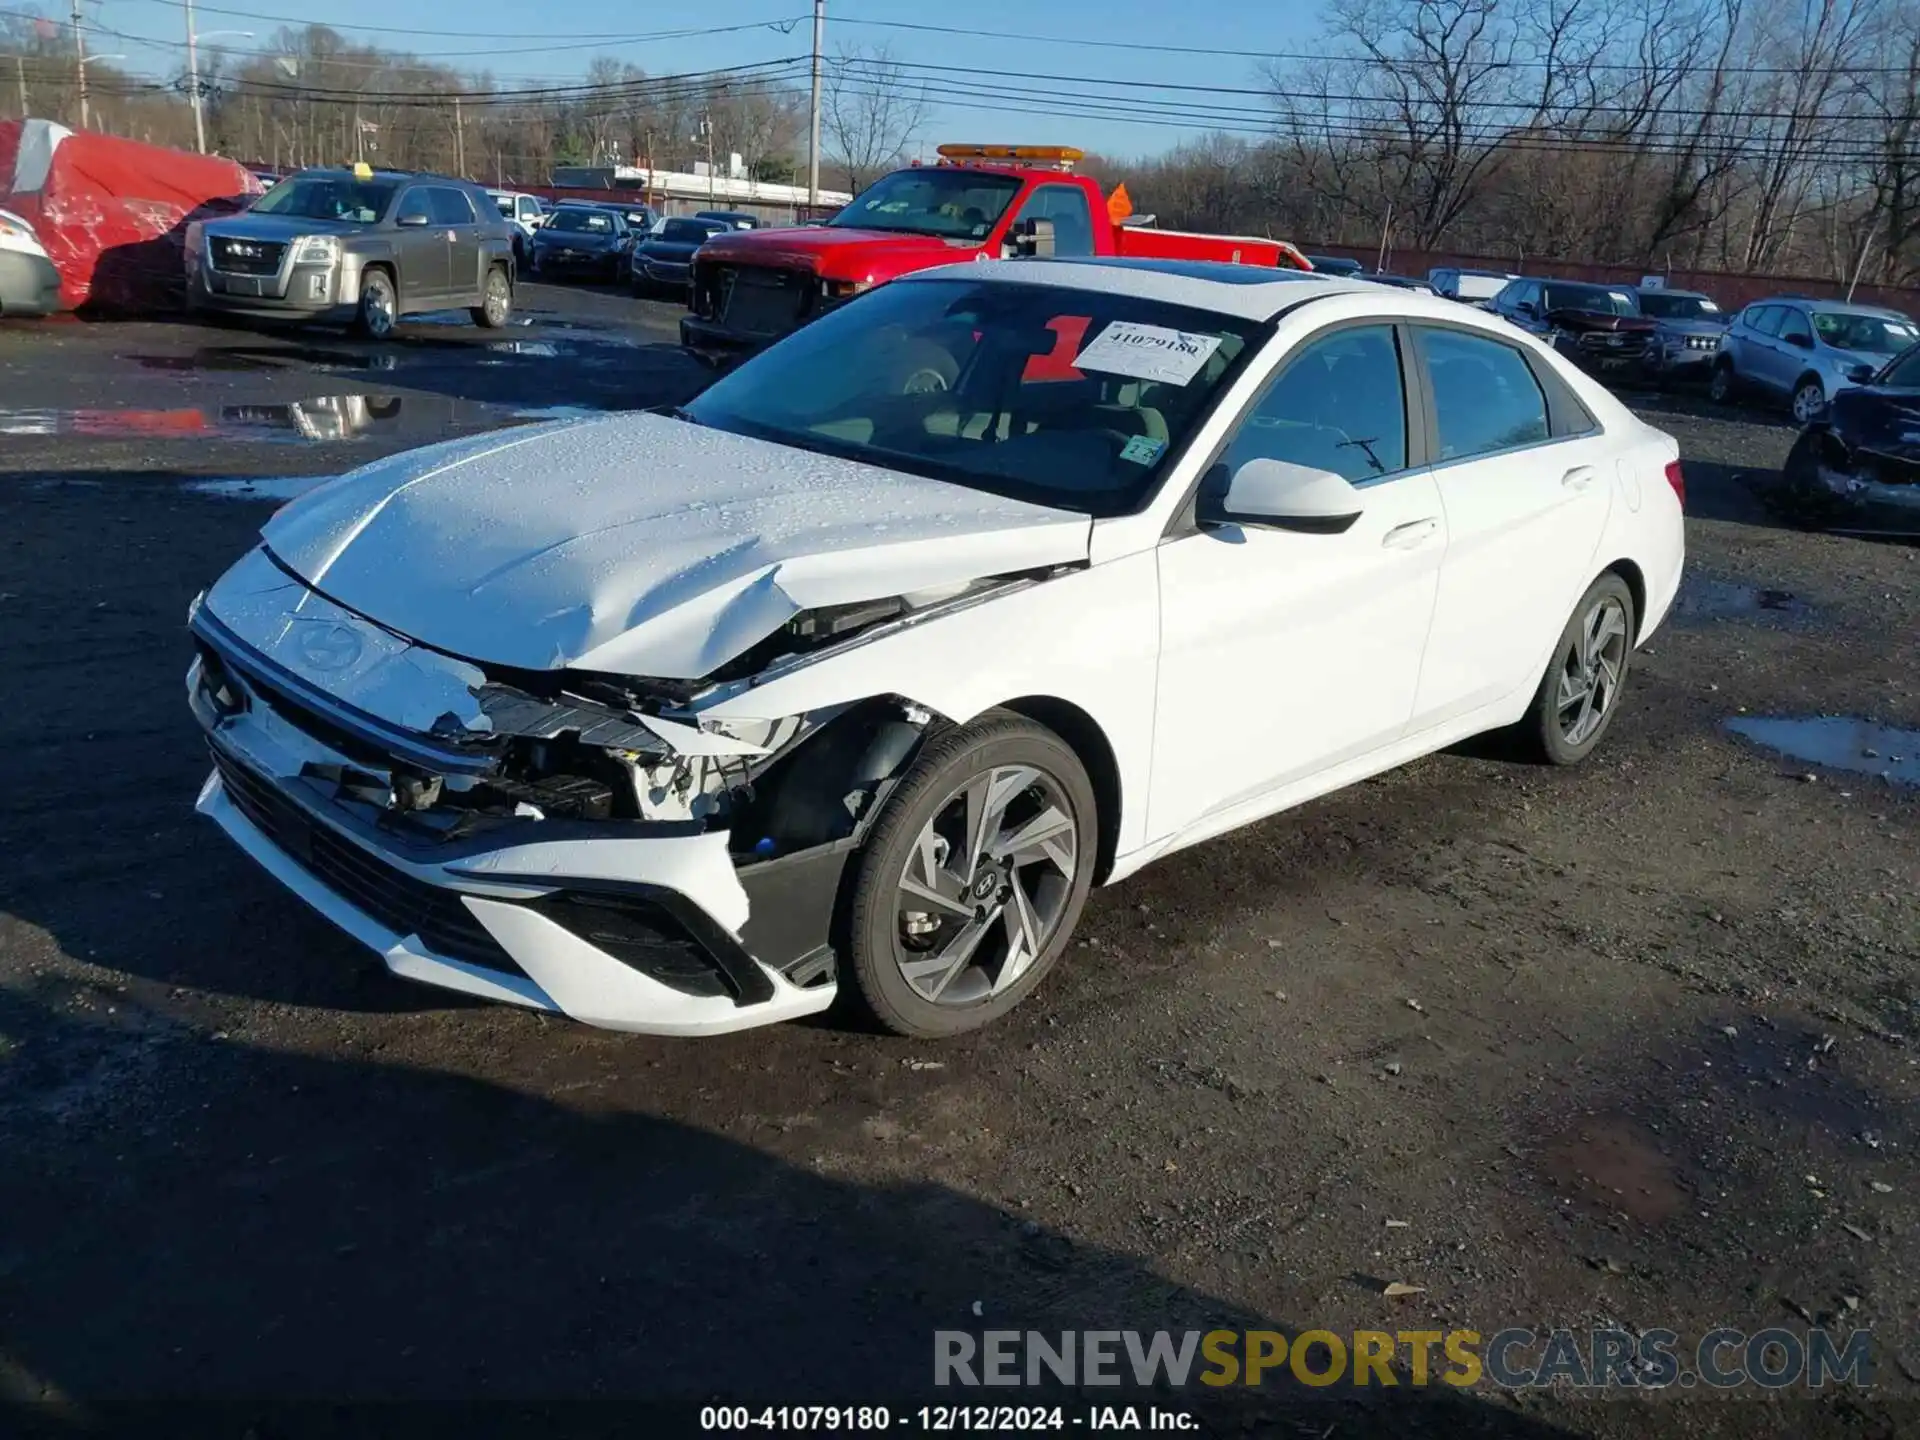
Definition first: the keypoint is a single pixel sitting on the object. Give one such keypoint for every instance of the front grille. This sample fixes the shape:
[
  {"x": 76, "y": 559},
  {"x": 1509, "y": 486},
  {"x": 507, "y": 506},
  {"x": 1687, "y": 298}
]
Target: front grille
[
  {"x": 403, "y": 904},
  {"x": 247, "y": 257},
  {"x": 1608, "y": 343},
  {"x": 759, "y": 301}
]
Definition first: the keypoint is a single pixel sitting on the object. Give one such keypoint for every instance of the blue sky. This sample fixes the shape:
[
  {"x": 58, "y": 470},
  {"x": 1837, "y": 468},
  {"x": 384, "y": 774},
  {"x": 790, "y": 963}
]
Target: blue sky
[{"x": 547, "y": 45}]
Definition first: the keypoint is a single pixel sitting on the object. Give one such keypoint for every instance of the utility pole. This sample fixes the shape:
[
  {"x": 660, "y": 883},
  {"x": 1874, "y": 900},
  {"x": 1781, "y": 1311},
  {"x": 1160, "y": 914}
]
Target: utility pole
[
  {"x": 20, "y": 74},
  {"x": 193, "y": 83},
  {"x": 706, "y": 130},
  {"x": 813, "y": 140},
  {"x": 459, "y": 139},
  {"x": 80, "y": 64}
]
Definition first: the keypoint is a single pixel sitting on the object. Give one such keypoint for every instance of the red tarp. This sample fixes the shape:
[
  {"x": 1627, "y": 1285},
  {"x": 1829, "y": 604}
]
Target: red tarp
[{"x": 113, "y": 213}]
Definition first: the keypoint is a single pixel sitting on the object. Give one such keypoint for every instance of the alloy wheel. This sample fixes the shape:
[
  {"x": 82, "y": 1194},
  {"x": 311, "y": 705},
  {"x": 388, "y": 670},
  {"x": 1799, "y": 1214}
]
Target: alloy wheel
[
  {"x": 985, "y": 886},
  {"x": 1590, "y": 672},
  {"x": 499, "y": 300},
  {"x": 1808, "y": 401},
  {"x": 377, "y": 310}
]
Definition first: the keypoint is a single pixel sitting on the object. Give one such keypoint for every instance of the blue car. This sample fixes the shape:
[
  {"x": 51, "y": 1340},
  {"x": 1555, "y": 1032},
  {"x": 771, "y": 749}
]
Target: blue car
[
  {"x": 1805, "y": 352},
  {"x": 583, "y": 240}
]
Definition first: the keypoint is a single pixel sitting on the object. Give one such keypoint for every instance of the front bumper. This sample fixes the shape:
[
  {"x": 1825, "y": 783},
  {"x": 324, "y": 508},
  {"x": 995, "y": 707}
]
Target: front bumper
[
  {"x": 324, "y": 294},
  {"x": 29, "y": 284},
  {"x": 646, "y": 927},
  {"x": 1682, "y": 363},
  {"x": 715, "y": 343},
  {"x": 656, "y": 272}
]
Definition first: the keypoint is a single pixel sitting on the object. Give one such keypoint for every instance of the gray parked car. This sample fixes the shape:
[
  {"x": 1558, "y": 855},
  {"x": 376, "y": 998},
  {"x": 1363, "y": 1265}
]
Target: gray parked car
[
  {"x": 1687, "y": 340},
  {"x": 1806, "y": 351},
  {"x": 357, "y": 246}
]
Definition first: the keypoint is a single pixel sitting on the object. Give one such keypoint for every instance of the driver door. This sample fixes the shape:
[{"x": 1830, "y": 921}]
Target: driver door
[
  {"x": 420, "y": 251},
  {"x": 1285, "y": 652}
]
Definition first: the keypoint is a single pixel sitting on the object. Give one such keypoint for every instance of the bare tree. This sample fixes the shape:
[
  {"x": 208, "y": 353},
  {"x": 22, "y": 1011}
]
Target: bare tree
[{"x": 871, "y": 113}]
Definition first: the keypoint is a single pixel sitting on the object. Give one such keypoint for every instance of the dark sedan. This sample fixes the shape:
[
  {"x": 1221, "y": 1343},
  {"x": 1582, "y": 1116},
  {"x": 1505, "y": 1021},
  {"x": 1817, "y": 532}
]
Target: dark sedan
[
  {"x": 1858, "y": 465},
  {"x": 1690, "y": 328},
  {"x": 1598, "y": 327},
  {"x": 583, "y": 240},
  {"x": 664, "y": 259}
]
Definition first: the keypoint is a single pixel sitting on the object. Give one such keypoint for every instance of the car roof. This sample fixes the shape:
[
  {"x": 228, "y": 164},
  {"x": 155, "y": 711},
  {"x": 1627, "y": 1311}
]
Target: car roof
[
  {"x": 1842, "y": 307},
  {"x": 1248, "y": 292}
]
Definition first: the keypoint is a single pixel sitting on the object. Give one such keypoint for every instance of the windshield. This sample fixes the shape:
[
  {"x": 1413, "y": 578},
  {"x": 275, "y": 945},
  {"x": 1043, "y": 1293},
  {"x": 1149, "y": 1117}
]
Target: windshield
[
  {"x": 953, "y": 204},
  {"x": 1069, "y": 398},
  {"x": 1904, "y": 373},
  {"x": 330, "y": 197},
  {"x": 1590, "y": 298},
  {"x": 1665, "y": 306},
  {"x": 688, "y": 232},
  {"x": 1870, "y": 334},
  {"x": 590, "y": 222}
]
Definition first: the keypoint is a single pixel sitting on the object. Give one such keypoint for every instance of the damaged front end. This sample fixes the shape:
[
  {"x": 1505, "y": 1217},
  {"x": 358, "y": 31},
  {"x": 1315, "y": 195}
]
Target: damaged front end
[
  {"x": 1857, "y": 470},
  {"x": 388, "y": 770}
]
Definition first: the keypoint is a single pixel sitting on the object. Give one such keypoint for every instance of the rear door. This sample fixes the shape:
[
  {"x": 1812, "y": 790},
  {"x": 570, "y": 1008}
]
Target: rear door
[
  {"x": 420, "y": 249},
  {"x": 1792, "y": 349},
  {"x": 454, "y": 218},
  {"x": 1758, "y": 347},
  {"x": 1526, "y": 484}
]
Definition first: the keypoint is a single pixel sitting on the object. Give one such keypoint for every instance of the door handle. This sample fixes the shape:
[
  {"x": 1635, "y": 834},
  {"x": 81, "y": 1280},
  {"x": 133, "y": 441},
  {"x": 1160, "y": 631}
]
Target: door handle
[
  {"x": 1579, "y": 477},
  {"x": 1414, "y": 532}
]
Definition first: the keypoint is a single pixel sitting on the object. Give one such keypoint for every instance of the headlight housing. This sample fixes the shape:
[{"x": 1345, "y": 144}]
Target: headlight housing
[
  {"x": 843, "y": 289},
  {"x": 316, "y": 250}
]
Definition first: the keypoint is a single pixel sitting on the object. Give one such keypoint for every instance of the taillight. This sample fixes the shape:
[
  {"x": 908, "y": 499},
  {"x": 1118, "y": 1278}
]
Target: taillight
[{"x": 1678, "y": 480}]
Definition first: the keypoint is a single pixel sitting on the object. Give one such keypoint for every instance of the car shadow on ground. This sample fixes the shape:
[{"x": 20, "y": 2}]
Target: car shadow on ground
[{"x": 256, "y": 1227}]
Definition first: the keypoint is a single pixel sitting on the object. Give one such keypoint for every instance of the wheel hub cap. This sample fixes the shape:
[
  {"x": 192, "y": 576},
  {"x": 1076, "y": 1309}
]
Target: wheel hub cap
[
  {"x": 986, "y": 885},
  {"x": 1590, "y": 672}
]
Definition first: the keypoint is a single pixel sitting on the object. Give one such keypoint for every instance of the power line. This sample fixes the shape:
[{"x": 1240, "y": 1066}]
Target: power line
[
  {"x": 1323, "y": 59},
  {"x": 784, "y": 24}
]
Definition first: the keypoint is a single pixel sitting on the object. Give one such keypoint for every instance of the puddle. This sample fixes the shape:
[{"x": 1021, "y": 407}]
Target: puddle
[
  {"x": 1705, "y": 598},
  {"x": 560, "y": 412},
  {"x": 1838, "y": 742},
  {"x": 1613, "y": 1166},
  {"x": 325, "y": 419},
  {"x": 262, "y": 487}
]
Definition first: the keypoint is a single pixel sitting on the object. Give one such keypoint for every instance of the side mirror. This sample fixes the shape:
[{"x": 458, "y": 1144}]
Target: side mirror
[
  {"x": 412, "y": 219},
  {"x": 1861, "y": 374},
  {"x": 1527, "y": 307},
  {"x": 1032, "y": 237},
  {"x": 1280, "y": 495}
]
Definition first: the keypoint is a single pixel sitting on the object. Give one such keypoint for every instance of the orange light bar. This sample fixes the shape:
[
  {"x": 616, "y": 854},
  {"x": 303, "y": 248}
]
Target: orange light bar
[{"x": 1056, "y": 154}]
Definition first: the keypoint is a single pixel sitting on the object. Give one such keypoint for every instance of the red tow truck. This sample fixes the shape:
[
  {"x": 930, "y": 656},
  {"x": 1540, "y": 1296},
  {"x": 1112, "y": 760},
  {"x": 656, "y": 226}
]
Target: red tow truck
[{"x": 977, "y": 202}]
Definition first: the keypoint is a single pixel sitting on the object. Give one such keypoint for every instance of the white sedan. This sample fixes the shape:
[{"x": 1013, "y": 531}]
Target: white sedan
[{"x": 850, "y": 678}]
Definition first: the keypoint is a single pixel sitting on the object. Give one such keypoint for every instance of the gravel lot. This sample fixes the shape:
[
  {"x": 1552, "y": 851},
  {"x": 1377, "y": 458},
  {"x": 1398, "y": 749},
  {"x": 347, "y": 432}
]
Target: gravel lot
[{"x": 1632, "y": 1044}]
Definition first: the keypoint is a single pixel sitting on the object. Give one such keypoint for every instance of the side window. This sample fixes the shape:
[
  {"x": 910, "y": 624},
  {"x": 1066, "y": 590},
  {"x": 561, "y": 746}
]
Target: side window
[
  {"x": 528, "y": 209},
  {"x": 1337, "y": 405},
  {"x": 1767, "y": 322},
  {"x": 413, "y": 202},
  {"x": 447, "y": 206},
  {"x": 1066, "y": 206},
  {"x": 1484, "y": 395},
  {"x": 1794, "y": 326}
]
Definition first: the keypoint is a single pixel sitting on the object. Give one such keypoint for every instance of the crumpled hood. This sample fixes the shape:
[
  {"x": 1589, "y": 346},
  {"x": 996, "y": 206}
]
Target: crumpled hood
[
  {"x": 1886, "y": 422},
  {"x": 641, "y": 545},
  {"x": 1589, "y": 321}
]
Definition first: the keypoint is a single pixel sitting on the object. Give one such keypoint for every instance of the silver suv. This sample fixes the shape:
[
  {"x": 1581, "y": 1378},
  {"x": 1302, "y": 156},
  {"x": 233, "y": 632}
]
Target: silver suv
[
  {"x": 1806, "y": 351},
  {"x": 357, "y": 246}
]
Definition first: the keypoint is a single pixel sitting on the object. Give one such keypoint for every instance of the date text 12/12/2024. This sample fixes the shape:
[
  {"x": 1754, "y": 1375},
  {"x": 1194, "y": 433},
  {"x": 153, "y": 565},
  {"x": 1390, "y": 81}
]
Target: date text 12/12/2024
[{"x": 942, "y": 1419}]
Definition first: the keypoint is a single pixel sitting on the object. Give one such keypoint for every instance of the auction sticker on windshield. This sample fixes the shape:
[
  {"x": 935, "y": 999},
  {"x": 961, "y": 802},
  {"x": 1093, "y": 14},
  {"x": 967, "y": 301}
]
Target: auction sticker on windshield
[{"x": 1148, "y": 352}]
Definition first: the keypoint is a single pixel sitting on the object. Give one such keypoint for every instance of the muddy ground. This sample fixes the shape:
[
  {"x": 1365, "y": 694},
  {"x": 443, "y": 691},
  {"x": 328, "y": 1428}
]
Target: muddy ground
[{"x": 1633, "y": 1045}]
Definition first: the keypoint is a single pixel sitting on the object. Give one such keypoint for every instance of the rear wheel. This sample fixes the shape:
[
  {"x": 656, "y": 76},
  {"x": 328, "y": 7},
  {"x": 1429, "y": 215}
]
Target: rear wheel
[
  {"x": 496, "y": 301},
  {"x": 973, "y": 878},
  {"x": 379, "y": 305},
  {"x": 1578, "y": 695}
]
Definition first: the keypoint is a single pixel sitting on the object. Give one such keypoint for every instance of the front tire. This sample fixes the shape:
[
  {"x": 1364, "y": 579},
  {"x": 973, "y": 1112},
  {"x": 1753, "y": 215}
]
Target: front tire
[
  {"x": 973, "y": 877},
  {"x": 379, "y": 306},
  {"x": 1580, "y": 693},
  {"x": 496, "y": 301},
  {"x": 1723, "y": 388}
]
